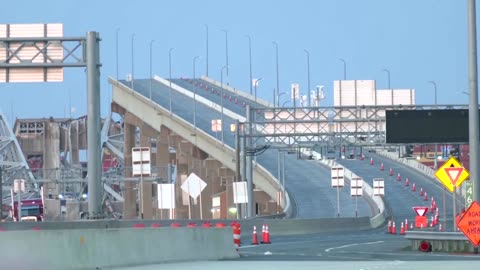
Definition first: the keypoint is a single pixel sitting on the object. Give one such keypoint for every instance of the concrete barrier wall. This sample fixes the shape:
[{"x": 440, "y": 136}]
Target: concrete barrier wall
[
  {"x": 103, "y": 248},
  {"x": 277, "y": 226},
  {"x": 237, "y": 92}
]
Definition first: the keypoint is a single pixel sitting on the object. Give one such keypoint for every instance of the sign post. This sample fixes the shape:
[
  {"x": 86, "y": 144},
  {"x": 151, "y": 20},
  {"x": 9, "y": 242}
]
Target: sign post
[
  {"x": 378, "y": 187},
  {"x": 194, "y": 186},
  {"x": 18, "y": 187},
  {"x": 452, "y": 174},
  {"x": 468, "y": 194},
  {"x": 338, "y": 179},
  {"x": 141, "y": 167},
  {"x": 421, "y": 220},
  {"x": 356, "y": 190}
]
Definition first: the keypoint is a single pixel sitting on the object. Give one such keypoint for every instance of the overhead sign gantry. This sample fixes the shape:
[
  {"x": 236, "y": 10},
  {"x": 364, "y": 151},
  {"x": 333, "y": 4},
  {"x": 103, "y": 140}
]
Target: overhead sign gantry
[{"x": 38, "y": 53}]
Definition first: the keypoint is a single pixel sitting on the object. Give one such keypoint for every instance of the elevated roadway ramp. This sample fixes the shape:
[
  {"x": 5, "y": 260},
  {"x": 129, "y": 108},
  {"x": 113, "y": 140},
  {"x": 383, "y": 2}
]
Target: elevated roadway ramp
[
  {"x": 308, "y": 183},
  {"x": 155, "y": 113}
]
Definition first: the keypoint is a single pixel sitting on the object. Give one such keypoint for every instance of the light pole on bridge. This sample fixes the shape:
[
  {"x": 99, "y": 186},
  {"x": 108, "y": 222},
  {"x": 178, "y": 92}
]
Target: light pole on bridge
[
  {"x": 194, "y": 94},
  {"x": 170, "y": 78},
  {"x": 221, "y": 100}
]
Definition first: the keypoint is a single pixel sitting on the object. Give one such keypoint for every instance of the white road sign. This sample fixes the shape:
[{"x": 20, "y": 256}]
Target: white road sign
[
  {"x": 338, "y": 174},
  {"x": 356, "y": 186},
  {"x": 141, "y": 161},
  {"x": 240, "y": 192},
  {"x": 193, "y": 185},
  {"x": 166, "y": 196},
  {"x": 378, "y": 186}
]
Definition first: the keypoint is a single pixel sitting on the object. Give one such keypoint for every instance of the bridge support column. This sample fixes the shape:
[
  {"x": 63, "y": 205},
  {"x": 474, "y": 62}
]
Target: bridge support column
[
  {"x": 74, "y": 138},
  {"x": 163, "y": 160},
  {"x": 146, "y": 133},
  {"x": 51, "y": 166},
  {"x": 130, "y": 204}
]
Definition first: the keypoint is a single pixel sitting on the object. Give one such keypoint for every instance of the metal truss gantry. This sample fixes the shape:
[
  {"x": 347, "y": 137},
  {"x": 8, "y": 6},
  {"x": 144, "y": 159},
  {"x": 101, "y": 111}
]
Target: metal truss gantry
[{"x": 324, "y": 126}]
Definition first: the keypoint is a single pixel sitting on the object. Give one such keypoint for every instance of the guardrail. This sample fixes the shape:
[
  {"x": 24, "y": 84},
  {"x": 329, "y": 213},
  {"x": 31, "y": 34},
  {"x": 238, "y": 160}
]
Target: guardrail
[{"x": 440, "y": 241}]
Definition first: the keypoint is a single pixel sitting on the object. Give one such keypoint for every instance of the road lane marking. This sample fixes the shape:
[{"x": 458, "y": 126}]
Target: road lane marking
[
  {"x": 415, "y": 254},
  {"x": 351, "y": 245}
]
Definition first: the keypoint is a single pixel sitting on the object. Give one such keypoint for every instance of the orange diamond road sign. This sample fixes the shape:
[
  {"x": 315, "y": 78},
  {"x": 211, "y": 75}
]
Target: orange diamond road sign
[
  {"x": 469, "y": 224},
  {"x": 452, "y": 174}
]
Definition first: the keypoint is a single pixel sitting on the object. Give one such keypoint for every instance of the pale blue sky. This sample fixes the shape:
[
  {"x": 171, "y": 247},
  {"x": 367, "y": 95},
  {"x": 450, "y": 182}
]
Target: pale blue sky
[{"x": 417, "y": 40}]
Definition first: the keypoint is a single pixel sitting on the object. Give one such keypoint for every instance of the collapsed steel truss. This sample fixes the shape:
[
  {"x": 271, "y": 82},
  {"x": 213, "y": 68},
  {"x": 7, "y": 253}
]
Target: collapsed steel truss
[{"x": 12, "y": 161}]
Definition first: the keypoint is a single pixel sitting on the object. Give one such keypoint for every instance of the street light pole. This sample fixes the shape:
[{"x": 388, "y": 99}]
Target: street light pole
[
  {"x": 344, "y": 68},
  {"x": 206, "y": 32},
  {"x": 151, "y": 74},
  {"x": 132, "y": 39},
  {"x": 221, "y": 100},
  {"x": 226, "y": 49},
  {"x": 276, "y": 66},
  {"x": 116, "y": 50},
  {"x": 473, "y": 131},
  {"x": 250, "y": 60},
  {"x": 279, "y": 95},
  {"x": 255, "y": 84},
  {"x": 435, "y": 164},
  {"x": 435, "y": 88},
  {"x": 194, "y": 94},
  {"x": 308, "y": 76},
  {"x": 170, "y": 77}
]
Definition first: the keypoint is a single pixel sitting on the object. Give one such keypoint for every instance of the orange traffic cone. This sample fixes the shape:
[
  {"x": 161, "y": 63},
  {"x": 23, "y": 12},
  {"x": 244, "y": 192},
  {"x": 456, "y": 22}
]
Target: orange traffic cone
[
  {"x": 406, "y": 224},
  {"x": 382, "y": 168},
  {"x": 426, "y": 197},
  {"x": 407, "y": 183},
  {"x": 254, "y": 236},
  {"x": 390, "y": 172},
  {"x": 414, "y": 187},
  {"x": 399, "y": 178},
  {"x": 371, "y": 161},
  {"x": 263, "y": 233},
  {"x": 440, "y": 227},
  {"x": 421, "y": 191},
  {"x": 266, "y": 240},
  {"x": 394, "y": 228},
  {"x": 402, "y": 229},
  {"x": 389, "y": 227},
  {"x": 411, "y": 226}
]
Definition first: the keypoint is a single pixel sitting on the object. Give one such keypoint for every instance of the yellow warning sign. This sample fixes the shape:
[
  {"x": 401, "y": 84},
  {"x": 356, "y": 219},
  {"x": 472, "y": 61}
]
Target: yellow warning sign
[{"x": 452, "y": 174}]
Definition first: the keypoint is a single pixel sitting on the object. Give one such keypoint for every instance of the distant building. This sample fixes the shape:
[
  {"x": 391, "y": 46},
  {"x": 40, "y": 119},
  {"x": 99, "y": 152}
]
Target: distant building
[{"x": 364, "y": 93}]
